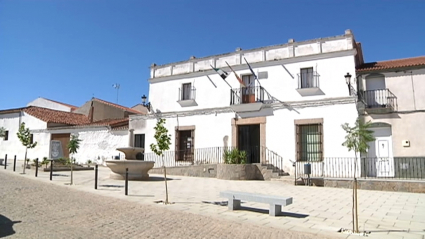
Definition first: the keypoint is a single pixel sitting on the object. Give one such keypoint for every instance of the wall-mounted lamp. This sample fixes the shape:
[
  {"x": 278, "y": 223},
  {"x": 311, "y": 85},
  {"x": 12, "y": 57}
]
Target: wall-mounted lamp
[
  {"x": 348, "y": 81},
  {"x": 147, "y": 105}
]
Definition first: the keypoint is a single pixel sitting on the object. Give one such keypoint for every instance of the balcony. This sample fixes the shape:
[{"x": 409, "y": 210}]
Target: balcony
[
  {"x": 308, "y": 84},
  {"x": 249, "y": 99},
  {"x": 187, "y": 96},
  {"x": 379, "y": 101}
]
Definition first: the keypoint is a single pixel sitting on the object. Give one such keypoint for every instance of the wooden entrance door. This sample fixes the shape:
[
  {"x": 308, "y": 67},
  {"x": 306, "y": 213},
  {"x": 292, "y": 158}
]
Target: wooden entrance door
[
  {"x": 184, "y": 145},
  {"x": 249, "y": 141},
  {"x": 64, "y": 139}
]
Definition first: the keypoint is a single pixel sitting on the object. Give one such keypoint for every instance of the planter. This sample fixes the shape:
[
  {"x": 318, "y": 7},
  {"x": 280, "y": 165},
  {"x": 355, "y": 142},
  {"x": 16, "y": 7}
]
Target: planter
[{"x": 237, "y": 171}]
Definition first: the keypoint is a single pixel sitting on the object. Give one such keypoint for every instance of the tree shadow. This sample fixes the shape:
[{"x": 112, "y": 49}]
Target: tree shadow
[
  {"x": 111, "y": 186},
  {"x": 59, "y": 175},
  {"x": 6, "y": 226}
]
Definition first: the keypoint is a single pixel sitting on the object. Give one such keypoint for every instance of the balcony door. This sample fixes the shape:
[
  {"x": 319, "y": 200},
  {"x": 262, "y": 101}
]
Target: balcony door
[
  {"x": 248, "y": 93},
  {"x": 375, "y": 90}
]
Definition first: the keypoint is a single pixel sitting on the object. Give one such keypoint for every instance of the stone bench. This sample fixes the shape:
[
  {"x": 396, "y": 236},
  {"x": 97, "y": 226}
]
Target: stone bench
[
  {"x": 1, "y": 161},
  {"x": 275, "y": 202}
]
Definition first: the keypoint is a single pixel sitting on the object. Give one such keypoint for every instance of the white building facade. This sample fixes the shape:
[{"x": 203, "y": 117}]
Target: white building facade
[{"x": 295, "y": 109}]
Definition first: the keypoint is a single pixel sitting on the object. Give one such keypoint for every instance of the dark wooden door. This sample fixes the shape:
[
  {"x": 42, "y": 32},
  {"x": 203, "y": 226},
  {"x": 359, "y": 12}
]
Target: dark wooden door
[
  {"x": 64, "y": 139},
  {"x": 249, "y": 141}
]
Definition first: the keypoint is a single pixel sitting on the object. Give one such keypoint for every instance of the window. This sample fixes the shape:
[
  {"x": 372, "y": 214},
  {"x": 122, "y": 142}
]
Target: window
[
  {"x": 139, "y": 141},
  {"x": 309, "y": 138},
  {"x": 6, "y": 135},
  {"x": 186, "y": 91},
  {"x": 306, "y": 78}
]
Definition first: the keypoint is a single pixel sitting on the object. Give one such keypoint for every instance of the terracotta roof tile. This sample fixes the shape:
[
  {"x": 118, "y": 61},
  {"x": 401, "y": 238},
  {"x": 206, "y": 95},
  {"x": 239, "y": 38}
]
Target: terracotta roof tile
[
  {"x": 392, "y": 64},
  {"x": 56, "y": 116},
  {"x": 118, "y": 106}
]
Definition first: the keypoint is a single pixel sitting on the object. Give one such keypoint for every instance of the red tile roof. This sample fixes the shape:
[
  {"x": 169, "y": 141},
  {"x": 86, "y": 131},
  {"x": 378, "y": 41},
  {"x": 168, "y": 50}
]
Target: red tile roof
[
  {"x": 118, "y": 106},
  {"x": 56, "y": 116},
  {"x": 392, "y": 64}
]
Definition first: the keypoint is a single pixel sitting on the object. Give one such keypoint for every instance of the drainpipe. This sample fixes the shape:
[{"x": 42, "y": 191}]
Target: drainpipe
[{"x": 413, "y": 90}]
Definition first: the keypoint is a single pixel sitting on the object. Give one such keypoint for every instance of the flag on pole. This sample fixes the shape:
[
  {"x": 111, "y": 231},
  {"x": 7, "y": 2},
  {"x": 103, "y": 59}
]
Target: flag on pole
[
  {"x": 252, "y": 71},
  {"x": 237, "y": 77},
  {"x": 222, "y": 73}
]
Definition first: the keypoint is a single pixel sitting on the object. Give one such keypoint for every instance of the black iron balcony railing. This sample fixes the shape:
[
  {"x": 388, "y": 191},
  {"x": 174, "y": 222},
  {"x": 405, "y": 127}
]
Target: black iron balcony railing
[
  {"x": 247, "y": 95},
  {"x": 308, "y": 80},
  {"x": 187, "y": 94},
  {"x": 383, "y": 98}
]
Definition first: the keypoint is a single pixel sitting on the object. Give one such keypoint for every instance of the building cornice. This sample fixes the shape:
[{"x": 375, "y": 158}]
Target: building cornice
[
  {"x": 290, "y": 105},
  {"x": 320, "y": 56}
]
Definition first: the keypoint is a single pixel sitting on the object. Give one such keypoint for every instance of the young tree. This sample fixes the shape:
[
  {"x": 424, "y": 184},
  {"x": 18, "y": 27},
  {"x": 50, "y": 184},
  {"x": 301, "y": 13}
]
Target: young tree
[
  {"x": 2, "y": 132},
  {"x": 163, "y": 141},
  {"x": 24, "y": 136},
  {"x": 357, "y": 139},
  {"x": 73, "y": 146}
]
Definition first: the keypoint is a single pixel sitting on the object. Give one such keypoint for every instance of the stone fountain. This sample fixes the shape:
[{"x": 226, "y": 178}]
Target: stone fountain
[{"x": 137, "y": 169}]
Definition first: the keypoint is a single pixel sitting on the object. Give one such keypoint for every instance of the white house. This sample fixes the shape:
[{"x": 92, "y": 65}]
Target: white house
[
  {"x": 294, "y": 111},
  {"x": 392, "y": 98},
  {"x": 102, "y": 126},
  {"x": 51, "y": 104}
]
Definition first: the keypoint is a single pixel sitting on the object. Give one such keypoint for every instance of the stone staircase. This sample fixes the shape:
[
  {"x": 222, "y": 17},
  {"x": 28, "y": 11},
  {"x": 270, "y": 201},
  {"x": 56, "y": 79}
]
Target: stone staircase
[{"x": 272, "y": 173}]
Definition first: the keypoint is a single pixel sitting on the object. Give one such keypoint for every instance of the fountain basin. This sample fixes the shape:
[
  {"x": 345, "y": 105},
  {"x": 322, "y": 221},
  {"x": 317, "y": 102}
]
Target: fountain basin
[
  {"x": 137, "y": 169},
  {"x": 131, "y": 152}
]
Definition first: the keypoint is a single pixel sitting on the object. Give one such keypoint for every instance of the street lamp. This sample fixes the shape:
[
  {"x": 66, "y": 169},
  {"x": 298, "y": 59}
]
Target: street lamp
[
  {"x": 147, "y": 105},
  {"x": 348, "y": 81}
]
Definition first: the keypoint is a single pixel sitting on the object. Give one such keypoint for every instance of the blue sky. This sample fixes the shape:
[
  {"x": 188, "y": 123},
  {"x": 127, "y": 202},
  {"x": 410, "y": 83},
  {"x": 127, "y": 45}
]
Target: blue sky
[{"x": 70, "y": 51}]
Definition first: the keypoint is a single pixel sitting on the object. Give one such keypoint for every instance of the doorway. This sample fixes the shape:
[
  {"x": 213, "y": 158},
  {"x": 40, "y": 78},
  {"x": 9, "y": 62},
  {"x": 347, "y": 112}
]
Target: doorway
[
  {"x": 64, "y": 139},
  {"x": 184, "y": 145},
  {"x": 380, "y": 160},
  {"x": 249, "y": 141},
  {"x": 248, "y": 92}
]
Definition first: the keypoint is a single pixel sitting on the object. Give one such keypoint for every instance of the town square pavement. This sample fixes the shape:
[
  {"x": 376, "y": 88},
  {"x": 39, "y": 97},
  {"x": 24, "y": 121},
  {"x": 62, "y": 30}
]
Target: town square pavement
[{"x": 197, "y": 211}]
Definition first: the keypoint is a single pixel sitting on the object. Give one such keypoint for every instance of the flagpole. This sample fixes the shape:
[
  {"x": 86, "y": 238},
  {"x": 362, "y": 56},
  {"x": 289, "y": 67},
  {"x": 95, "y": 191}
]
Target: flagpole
[
  {"x": 237, "y": 77},
  {"x": 252, "y": 71}
]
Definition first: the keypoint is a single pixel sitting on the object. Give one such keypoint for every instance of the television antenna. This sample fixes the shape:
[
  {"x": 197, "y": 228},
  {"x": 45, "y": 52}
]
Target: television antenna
[{"x": 117, "y": 87}]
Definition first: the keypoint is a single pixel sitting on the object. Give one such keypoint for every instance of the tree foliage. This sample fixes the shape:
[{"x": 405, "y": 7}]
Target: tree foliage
[
  {"x": 358, "y": 136},
  {"x": 24, "y": 136},
  {"x": 74, "y": 144},
  {"x": 163, "y": 139},
  {"x": 2, "y": 132}
]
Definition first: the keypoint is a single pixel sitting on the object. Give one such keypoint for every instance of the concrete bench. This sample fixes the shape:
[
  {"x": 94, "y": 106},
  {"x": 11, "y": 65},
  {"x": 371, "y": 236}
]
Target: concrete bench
[
  {"x": 276, "y": 202},
  {"x": 1, "y": 161}
]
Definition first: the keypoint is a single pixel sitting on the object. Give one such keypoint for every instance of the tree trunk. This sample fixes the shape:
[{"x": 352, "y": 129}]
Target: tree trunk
[
  {"x": 72, "y": 181},
  {"x": 25, "y": 160},
  {"x": 165, "y": 180},
  {"x": 355, "y": 211}
]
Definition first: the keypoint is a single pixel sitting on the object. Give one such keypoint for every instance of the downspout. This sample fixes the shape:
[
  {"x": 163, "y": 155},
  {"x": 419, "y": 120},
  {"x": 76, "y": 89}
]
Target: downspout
[{"x": 413, "y": 90}]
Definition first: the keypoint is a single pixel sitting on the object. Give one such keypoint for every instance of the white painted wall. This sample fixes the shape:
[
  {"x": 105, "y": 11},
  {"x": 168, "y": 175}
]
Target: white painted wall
[
  {"x": 45, "y": 103},
  {"x": 100, "y": 144},
  {"x": 280, "y": 130},
  {"x": 164, "y": 95},
  {"x": 13, "y": 146},
  {"x": 270, "y": 53}
]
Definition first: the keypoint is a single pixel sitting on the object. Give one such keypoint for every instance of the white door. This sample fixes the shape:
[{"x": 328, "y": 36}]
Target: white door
[{"x": 380, "y": 155}]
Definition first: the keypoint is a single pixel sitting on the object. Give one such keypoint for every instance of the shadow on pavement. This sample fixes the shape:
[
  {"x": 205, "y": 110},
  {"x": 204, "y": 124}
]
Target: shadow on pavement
[
  {"x": 61, "y": 175},
  {"x": 263, "y": 211},
  {"x": 111, "y": 186},
  {"x": 147, "y": 196},
  {"x": 160, "y": 179},
  {"x": 6, "y": 226}
]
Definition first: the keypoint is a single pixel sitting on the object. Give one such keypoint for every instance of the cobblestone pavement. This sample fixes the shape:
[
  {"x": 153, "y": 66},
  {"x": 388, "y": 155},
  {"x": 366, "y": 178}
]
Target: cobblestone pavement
[{"x": 42, "y": 210}]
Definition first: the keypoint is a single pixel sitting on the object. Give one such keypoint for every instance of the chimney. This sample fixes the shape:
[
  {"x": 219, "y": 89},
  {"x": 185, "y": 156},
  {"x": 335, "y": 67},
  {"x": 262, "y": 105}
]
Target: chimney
[
  {"x": 91, "y": 112},
  {"x": 291, "y": 40},
  {"x": 238, "y": 49}
]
